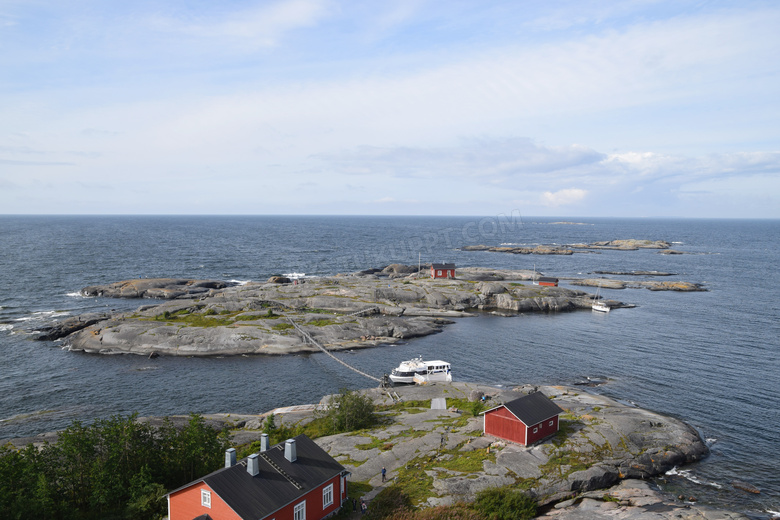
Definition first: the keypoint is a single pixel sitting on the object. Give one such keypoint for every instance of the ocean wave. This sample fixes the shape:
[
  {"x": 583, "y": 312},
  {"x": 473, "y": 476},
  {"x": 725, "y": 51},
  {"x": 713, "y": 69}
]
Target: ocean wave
[
  {"x": 77, "y": 294},
  {"x": 5, "y": 326},
  {"x": 294, "y": 275},
  {"x": 240, "y": 282},
  {"x": 689, "y": 475}
]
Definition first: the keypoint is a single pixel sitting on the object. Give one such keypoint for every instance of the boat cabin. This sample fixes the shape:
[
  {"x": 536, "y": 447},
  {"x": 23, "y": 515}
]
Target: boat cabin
[{"x": 442, "y": 270}]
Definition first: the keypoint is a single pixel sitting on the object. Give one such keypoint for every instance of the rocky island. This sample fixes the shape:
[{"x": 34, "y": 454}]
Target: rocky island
[
  {"x": 569, "y": 249},
  {"x": 369, "y": 308}
]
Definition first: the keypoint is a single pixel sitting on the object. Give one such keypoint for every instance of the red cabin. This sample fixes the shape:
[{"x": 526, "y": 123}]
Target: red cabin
[
  {"x": 546, "y": 280},
  {"x": 442, "y": 270},
  {"x": 293, "y": 480},
  {"x": 525, "y": 421}
]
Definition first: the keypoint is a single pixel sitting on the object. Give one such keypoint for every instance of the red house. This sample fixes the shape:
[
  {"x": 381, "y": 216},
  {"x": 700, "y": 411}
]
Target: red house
[
  {"x": 442, "y": 270},
  {"x": 293, "y": 480},
  {"x": 525, "y": 421},
  {"x": 546, "y": 280}
]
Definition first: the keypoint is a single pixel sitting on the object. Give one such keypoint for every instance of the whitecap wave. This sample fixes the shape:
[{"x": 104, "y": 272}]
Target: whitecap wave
[
  {"x": 43, "y": 315},
  {"x": 689, "y": 475},
  {"x": 240, "y": 282},
  {"x": 677, "y": 242},
  {"x": 5, "y": 326},
  {"x": 294, "y": 275},
  {"x": 77, "y": 294}
]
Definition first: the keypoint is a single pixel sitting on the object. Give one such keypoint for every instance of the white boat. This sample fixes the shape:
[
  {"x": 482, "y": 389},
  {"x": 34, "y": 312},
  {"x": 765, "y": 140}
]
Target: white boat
[
  {"x": 418, "y": 371},
  {"x": 598, "y": 305}
]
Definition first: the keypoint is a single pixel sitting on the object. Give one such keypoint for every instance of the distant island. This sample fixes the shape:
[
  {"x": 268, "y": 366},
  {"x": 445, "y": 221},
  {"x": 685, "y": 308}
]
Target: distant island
[{"x": 364, "y": 309}]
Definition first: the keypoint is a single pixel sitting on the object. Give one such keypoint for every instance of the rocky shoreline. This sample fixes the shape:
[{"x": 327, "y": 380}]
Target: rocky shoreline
[
  {"x": 364, "y": 309},
  {"x": 596, "y": 468}
]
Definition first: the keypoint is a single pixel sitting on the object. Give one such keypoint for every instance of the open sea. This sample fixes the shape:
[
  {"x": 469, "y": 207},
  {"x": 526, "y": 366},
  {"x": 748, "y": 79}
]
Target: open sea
[{"x": 709, "y": 358}]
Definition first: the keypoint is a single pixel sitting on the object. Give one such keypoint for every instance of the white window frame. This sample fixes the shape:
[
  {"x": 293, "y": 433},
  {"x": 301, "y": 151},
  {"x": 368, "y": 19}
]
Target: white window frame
[
  {"x": 327, "y": 496},
  {"x": 551, "y": 423},
  {"x": 205, "y": 498},
  {"x": 299, "y": 511}
]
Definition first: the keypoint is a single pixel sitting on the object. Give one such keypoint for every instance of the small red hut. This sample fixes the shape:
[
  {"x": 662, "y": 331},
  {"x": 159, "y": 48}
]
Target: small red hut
[
  {"x": 442, "y": 270},
  {"x": 525, "y": 421},
  {"x": 546, "y": 280}
]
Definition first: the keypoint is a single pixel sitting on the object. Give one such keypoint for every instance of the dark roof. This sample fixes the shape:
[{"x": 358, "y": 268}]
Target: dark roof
[
  {"x": 546, "y": 279},
  {"x": 533, "y": 408},
  {"x": 256, "y": 497},
  {"x": 202, "y": 517},
  {"x": 442, "y": 266}
]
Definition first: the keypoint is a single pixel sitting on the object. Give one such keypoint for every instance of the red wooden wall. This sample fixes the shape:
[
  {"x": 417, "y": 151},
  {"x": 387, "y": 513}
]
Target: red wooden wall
[
  {"x": 314, "y": 509},
  {"x": 543, "y": 429},
  {"x": 501, "y": 423},
  {"x": 185, "y": 505}
]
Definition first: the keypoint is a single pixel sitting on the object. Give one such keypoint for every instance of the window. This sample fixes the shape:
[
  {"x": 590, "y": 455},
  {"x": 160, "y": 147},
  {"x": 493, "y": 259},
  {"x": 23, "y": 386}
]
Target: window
[
  {"x": 438, "y": 273},
  {"x": 327, "y": 496},
  {"x": 551, "y": 423},
  {"x": 536, "y": 430},
  {"x": 299, "y": 513},
  {"x": 205, "y": 498}
]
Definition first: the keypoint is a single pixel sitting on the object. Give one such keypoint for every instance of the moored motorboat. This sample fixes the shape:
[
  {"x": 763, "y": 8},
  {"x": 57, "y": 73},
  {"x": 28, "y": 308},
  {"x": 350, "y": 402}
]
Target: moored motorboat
[
  {"x": 598, "y": 305},
  {"x": 418, "y": 371}
]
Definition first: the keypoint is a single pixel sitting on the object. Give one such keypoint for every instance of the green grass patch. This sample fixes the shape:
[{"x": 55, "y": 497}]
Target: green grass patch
[
  {"x": 412, "y": 480},
  {"x": 282, "y": 326},
  {"x": 321, "y": 323},
  {"x": 466, "y": 461}
]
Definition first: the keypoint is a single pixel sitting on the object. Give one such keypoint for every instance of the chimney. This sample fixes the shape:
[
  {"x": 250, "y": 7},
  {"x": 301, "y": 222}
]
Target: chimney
[
  {"x": 263, "y": 442},
  {"x": 252, "y": 465},
  {"x": 289, "y": 450},
  {"x": 230, "y": 457}
]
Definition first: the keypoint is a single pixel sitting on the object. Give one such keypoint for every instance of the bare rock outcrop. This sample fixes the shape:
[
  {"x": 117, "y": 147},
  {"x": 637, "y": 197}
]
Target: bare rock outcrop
[
  {"x": 162, "y": 288},
  {"x": 341, "y": 312},
  {"x": 600, "y": 443}
]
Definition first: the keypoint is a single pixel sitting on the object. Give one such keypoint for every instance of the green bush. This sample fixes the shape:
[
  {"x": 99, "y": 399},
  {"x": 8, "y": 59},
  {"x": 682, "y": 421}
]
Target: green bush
[
  {"x": 348, "y": 411},
  {"x": 505, "y": 504},
  {"x": 388, "y": 502}
]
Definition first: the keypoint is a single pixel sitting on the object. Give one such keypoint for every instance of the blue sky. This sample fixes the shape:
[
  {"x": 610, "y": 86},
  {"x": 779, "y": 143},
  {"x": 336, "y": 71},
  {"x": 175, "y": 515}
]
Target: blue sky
[{"x": 407, "y": 107}]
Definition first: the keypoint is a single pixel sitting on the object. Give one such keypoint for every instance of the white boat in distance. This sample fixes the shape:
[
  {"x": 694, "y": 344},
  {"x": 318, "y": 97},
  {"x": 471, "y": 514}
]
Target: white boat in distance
[
  {"x": 598, "y": 305},
  {"x": 418, "y": 371}
]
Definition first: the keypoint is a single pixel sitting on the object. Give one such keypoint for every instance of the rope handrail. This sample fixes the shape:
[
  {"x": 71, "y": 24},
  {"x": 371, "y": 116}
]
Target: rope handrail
[{"x": 307, "y": 337}]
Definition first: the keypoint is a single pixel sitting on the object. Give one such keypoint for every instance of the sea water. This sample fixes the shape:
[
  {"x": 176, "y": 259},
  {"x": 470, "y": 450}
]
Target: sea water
[{"x": 708, "y": 358}]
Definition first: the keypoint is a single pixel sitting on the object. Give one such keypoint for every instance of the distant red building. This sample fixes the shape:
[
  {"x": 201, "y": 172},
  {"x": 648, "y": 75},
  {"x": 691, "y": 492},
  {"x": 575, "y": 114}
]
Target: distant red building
[
  {"x": 546, "y": 280},
  {"x": 525, "y": 421},
  {"x": 293, "y": 480},
  {"x": 442, "y": 270}
]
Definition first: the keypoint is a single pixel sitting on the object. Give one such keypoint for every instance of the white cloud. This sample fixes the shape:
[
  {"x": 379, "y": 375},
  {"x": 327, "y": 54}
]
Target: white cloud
[
  {"x": 262, "y": 26},
  {"x": 563, "y": 197}
]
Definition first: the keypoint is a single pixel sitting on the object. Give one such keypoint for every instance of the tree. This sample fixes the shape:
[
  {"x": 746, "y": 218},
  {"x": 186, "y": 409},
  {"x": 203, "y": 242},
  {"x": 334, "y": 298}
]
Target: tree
[{"x": 349, "y": 411}]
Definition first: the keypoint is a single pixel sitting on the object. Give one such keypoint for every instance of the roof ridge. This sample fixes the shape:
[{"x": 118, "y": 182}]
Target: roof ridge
[{"x": 280, "y": 470}]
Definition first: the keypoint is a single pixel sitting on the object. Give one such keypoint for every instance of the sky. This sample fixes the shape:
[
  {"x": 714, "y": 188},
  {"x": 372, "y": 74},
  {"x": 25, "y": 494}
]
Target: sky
[{"x": 632, "y": 108}]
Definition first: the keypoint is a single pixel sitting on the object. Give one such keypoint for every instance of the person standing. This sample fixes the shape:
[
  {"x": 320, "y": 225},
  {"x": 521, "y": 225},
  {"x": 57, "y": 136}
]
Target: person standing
[{"x": 384, "y": 472}]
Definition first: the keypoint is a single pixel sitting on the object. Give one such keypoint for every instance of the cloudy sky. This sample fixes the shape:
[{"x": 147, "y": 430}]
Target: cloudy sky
[{"x": 401, "y": 107}]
